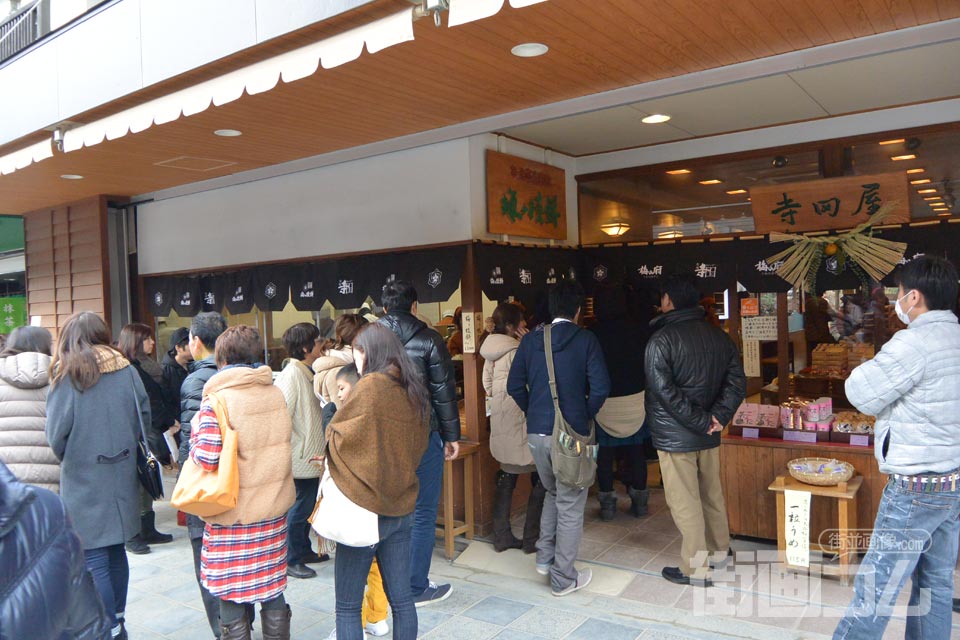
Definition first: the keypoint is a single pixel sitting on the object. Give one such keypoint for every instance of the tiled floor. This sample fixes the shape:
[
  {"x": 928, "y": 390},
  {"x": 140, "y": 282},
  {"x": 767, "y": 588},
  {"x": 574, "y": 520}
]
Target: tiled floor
[{"x": 500, "y": 596}]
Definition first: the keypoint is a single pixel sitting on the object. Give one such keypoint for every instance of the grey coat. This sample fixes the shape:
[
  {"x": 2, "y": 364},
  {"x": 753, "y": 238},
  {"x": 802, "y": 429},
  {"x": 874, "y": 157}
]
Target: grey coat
[
  {"x": 94, "y": 433},
  {"x": 23, "y": 415}
]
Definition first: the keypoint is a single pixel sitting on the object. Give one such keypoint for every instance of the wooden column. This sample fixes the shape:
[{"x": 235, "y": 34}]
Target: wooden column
[
  {"x": 68, "y": 267},
  {"x": 474, "y": 397},
  {"x": 783, "y": 347}
]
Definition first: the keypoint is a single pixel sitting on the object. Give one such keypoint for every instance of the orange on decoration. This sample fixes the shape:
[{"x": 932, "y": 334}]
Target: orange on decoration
[{"x": 831, "y": 249}]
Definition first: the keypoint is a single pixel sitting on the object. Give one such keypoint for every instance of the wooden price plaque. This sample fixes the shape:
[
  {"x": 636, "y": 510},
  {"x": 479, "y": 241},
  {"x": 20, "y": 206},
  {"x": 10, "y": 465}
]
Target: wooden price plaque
[
  {"x": 525, "y": 198},
  {"x": 834, "y": 203}
]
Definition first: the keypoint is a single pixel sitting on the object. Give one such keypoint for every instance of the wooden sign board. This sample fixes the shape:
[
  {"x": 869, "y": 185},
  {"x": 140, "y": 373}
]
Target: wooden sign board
[
  {"x": 525, "y": 198},
  {"x": 763, "y": 328},
  {"x": 834, "y": 203}
]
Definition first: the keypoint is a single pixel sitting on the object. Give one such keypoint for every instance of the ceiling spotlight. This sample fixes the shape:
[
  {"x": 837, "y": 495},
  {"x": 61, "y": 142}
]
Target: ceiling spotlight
[
  {"x": 912, "y": 171},
  {"x": 678, "y": 172},
  {"x": 228, "y": 133},
  {"x": 713, "y": 181},
  {"x": 615, "y": 227},
  {"x": 657, "y": 118},
  {"x": 71, "y": 176},
  {"x": 780, "y": 162},
  {"x": 529, "y": 50},
  {"x": 909, "y": 156},
  {"x": 897, "y": 141},
  {"x": 921, "y": 181},
  {"x": 736, "y": 191}
]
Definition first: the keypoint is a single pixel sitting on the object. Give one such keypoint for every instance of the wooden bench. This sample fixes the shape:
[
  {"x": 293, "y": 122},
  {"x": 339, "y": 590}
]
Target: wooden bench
[{"x": 447, "y": 527}]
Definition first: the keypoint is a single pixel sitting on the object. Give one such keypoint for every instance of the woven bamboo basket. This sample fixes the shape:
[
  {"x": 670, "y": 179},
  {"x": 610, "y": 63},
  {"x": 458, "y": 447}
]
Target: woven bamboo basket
[{"x": 843, "y": 471}]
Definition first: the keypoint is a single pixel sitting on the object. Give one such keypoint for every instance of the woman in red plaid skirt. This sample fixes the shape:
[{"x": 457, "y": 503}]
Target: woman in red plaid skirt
[{"x": 244, "y": 554}]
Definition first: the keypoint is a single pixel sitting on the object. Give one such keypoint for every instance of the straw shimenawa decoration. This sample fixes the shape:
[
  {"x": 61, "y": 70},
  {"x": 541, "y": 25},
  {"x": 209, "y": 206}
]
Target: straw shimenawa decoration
[{"x": 869, "y": 255}]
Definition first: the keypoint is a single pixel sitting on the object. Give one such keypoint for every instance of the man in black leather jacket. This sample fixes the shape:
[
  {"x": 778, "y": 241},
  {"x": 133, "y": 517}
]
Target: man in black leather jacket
[
  {"x": 695, "y": 383},
  {"x": 46, "y": 593},
  {"x": 429, "y": 353},
  {"x": 204, "y": 331}
]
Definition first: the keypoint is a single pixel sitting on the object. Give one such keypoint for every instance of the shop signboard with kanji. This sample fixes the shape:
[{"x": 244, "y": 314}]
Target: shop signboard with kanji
[
  {"x": 833, "y": 203},
  {"x": 525, "y": 198},
  {"x": 13, "y": 313}
]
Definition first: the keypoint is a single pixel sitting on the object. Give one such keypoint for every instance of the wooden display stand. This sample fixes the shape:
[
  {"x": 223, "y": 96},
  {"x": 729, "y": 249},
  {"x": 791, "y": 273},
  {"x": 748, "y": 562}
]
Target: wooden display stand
[
  {"x": 845, "y": 494},
  {"x": 448, "y": 527},
  {"x": 749, "y": 466}
]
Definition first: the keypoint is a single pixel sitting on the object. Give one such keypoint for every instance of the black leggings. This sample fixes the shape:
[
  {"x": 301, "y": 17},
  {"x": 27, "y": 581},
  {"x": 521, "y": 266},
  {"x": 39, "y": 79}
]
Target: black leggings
[{"x": 632, "y": 460}]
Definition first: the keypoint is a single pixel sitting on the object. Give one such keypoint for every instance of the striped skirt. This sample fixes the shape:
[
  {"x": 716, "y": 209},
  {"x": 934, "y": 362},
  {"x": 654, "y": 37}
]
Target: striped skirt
[{"x": 245, "y": 562}]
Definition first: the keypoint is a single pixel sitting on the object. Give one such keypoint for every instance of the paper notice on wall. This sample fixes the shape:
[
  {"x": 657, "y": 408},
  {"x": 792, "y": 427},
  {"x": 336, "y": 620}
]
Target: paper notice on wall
[
  {"x": 36, "y": 321},
  {"x": 759, "y": 328},
  {"x": 797, "y": 527},
  {"x": 751, "y": 358}
]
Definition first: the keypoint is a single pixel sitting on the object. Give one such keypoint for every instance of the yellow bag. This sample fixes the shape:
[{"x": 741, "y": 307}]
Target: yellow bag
[{"x": 203, "y": 493}]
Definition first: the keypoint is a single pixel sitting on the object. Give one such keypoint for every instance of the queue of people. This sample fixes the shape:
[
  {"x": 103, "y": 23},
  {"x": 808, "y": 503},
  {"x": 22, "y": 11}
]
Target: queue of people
[{"x": 382, "y": 396}]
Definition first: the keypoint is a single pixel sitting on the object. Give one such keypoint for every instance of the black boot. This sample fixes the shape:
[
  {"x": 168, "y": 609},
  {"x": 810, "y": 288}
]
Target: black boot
[
  {"x": 148, "y": 530},
  {"x": 503, "y": 537},
  {"x": 638, "y": 501},
  {"x": 236, "y": 630},
  {"x": 137, "y": 546},
  {"x": 531, "y": 526},
  {"x": 275, "y": 623},
  {"x": 608, "y": 505}
]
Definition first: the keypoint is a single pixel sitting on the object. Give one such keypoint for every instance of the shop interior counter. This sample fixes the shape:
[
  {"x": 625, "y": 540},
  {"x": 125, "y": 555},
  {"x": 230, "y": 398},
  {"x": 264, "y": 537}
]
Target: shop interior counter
[{"x": 749, "y": 465}]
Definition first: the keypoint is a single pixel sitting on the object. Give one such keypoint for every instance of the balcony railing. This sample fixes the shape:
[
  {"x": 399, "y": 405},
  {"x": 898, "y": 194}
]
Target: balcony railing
[{"x": 23, "y": 28}]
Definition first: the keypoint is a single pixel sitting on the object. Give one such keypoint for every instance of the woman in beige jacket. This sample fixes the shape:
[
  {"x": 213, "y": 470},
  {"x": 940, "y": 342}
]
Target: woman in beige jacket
[
  {"x": 24, "y": 382},
  {"x": 508, "y": 432},
  {"x": 335, "y": 357}
]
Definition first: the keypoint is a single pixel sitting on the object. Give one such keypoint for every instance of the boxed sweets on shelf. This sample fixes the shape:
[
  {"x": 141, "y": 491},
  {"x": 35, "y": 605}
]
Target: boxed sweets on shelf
[
  {"x": 802, "y": 420},
  {"x": 851, "y": 427},
  {"x": 859, "y": 353},
  {"x": 830, "y": 360},
  {"x": 756, "y": 421}
]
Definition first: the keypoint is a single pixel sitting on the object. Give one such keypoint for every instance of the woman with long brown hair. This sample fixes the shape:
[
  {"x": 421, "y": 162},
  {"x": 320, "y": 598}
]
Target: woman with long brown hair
[
  {"x": 95, "y": 408},
  {"x": 137, "y": 345},
  {"x": 384, "y": 424}
]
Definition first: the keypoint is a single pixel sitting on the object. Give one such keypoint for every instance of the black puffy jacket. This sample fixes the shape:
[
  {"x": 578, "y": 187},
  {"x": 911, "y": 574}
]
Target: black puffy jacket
[
  {"x": 160, "y": 417},
  {"x": 693, "y": 372},
  {"x": 429, "y": 353},
  {"x": 173, "y": 377},
  {"x": 191, "y": 393},
  {"x": 45, "y": 590}
]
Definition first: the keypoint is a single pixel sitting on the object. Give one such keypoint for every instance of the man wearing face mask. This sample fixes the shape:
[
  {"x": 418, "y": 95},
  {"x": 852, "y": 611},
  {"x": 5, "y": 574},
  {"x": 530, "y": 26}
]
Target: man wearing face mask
[{"x": 911, "y": 387}]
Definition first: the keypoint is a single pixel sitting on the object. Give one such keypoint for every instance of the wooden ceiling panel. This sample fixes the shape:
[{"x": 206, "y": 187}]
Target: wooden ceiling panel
[{"x": 446, "y": 76}]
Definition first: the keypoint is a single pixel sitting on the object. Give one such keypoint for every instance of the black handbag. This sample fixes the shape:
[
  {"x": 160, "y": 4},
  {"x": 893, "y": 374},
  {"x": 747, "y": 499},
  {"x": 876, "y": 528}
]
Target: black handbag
[{"x": 148, "y": 467}]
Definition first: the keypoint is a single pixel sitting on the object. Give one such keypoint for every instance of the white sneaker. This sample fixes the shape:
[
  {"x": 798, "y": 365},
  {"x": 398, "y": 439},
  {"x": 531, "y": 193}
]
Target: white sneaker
[
  {"x": 544, "y": 569},
  {"x": 583, "y": 579},
  {"x": 378, "y": 629},
  {"x": 333, "y": 634}
]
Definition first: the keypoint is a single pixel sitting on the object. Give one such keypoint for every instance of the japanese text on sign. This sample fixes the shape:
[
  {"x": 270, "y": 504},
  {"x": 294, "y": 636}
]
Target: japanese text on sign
[
  {"x": 797, "y": 527},
  {"x": 751, "y": 358},
  {"x": 759, "y": 328}
]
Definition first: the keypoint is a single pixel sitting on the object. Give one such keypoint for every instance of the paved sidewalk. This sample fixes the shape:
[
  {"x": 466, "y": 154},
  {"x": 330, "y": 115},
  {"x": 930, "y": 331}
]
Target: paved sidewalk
[{"x": 501, "y": 596}]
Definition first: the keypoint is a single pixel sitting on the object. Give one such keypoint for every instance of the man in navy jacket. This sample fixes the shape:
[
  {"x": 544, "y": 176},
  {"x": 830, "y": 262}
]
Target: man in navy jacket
[{"x": 582, "y": 386}]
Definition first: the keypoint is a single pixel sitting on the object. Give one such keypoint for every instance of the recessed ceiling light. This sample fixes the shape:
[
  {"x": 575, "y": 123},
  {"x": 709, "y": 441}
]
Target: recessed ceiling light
[
  {"x": 915, "y": 170},
  {"x": 529, "y": 50},
  {"x": 678, "y": 172},
  {"x": 897, "y": 141},
  {"x": 714, "y": 181},
  {"x": 71, "y": 176},
  {"x": 926, "y": 190},
  {"x": 909, "y": 156},
  {"x": 921, "y": 181},
  {"x": 941, "y": 209},
  {"x": 228, "y": 133},
  {"x": 656, "y": 118},
  {"x": 931, "y": 198},
  {"x": 736, "y": 191}
]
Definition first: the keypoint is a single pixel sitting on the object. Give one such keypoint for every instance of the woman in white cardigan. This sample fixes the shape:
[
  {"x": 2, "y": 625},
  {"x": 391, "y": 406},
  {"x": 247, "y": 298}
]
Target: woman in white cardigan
[
  {"x": 302, "y": 341},
  {"x": 336, "y": 356}
]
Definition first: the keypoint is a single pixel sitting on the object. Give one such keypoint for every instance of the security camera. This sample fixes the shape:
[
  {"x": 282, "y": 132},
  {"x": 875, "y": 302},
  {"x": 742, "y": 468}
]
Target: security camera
[{"x": 779, "y": 162}]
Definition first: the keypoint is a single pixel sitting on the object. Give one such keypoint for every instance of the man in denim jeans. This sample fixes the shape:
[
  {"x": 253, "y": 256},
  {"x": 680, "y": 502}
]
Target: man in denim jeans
[{"x": 912, "y": 387}]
